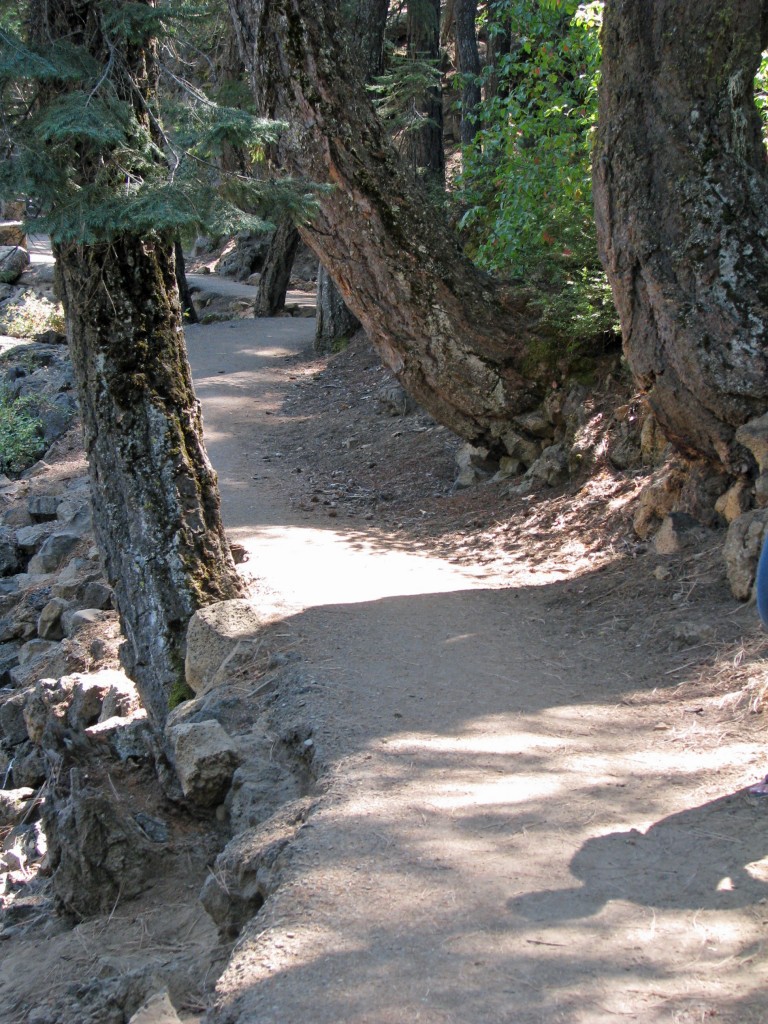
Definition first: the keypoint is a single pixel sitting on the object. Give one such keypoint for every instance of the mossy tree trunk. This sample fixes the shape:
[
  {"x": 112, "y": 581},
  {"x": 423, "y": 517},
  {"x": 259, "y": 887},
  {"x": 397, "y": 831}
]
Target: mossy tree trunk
[
  {"x": 681, "y": 192},
  {"x": 155, "y": 495},
  {"x": 458, "y": 342}
]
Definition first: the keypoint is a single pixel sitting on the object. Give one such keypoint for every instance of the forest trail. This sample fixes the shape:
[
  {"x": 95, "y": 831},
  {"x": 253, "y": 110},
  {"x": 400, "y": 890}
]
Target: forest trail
[{"x": 525, "y": 819}]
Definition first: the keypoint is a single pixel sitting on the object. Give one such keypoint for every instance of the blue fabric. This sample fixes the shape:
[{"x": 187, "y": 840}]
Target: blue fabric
[{"x": 762, "y": 584}]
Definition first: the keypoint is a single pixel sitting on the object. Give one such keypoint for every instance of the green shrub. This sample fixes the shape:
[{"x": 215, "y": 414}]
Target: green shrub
[
  {"x": 526, "y": 184},
  {"x": 31, "y": 315},
  {"x": 21, "y": 433}
]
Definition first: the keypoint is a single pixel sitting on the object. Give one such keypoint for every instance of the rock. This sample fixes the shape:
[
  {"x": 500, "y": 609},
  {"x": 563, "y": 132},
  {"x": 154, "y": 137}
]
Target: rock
[
  {"x": 394, "y": 400},
  {"x": 74, "y": 621},
  {"x": 536, "y": 424},
  {"x": 13, "y": 804},
  {"x": 43, "y": 506},
  {"x": 658, "y": 498},
  {"x": 761, "y": 490},
  {"x": 259, "y": 787},
  {"x": 551, "y": 467},
  {"x": 78, "y": 700},
  {"x": 754, "y": 436},
  {"x": 246, "y": 258},
  {"x": 691, "y": 634},
  {"x": 654, "y": 445},
  {"x": 13, "y": 263},
  {"x": 49, "y": 624},
  {"x": 218, "y": 634},
  {"x": 741, "y": 551},
  {"x": 29, "y": 538},
  {"x": 475, "y": 466},
  {"x": 525, "y": 449},
  {"x": 98, "y": 596},
  {"x": 678, "y": 532},
  {"x": 508, "y": 467},
  {"x": 98, "y": 853},
  {"x": 158, "y": 1009},
  {"x": 734, "y": 502},
  {"x": 205, "y": 758},
  {"x": 250, "y": 868},
  {"x": 53, "y": 551},
  {"x": 126, "y": 736},
  {"x": 9, "y": 658},
  {"x": 12, "y": 233},
  {"x": 13, "y": 728},
  {"x": 10, "y": 560},
  {"x": 29, "y": 767}
]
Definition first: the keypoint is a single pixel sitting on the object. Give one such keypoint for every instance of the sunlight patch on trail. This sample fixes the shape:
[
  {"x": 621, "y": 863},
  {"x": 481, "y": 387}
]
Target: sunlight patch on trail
[{"x": 320, "y": 567}]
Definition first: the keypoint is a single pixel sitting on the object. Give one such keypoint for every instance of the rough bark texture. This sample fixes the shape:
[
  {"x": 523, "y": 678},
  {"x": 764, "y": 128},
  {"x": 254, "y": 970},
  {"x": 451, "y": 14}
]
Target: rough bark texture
[
  {"x": 681, "y": 194},
  {"x": 333, "y": 320},
  {"x": 457, "y": 343},
  {"x": 469, "y": 66},
  {"x": 276, "y": 272},
  {"x": 155, "y": 496}
]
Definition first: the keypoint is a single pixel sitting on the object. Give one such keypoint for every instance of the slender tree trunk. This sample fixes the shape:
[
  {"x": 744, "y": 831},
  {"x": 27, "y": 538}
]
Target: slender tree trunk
[
  {"x": 681, "y": 194},
  {"x": 185, "y": 295},
  {"x": 469, "y": 66},
  {"x": 333, "y": 321},
  {"x": 276, "y": 272},
  {"x": 155, "y": 496},
  {"x": 456, "y": 340},
  {"x": 424, "y": 145}
]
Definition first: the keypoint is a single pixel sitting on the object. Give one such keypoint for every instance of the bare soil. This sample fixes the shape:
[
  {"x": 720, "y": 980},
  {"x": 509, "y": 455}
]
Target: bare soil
[
  {"x": 536, "y": 732},
  {"x": 534, "y": 739}
]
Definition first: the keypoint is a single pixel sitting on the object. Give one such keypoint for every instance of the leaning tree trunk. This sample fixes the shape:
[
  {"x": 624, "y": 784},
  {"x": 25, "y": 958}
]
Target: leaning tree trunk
[
  {"x": 155, "y": 496},
  {"x": 681, "y": 193},
  {"x": 276, "y": 272},
  {"x": 456, "y": 341}
]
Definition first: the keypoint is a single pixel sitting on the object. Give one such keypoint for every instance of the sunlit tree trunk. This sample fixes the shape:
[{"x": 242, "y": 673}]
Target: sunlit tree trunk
[{"x": 681, "y": 193}]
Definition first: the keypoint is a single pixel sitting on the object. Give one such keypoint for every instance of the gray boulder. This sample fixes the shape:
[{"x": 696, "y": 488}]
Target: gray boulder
[
  {"x": 205, "y": 758},
  {"x": 741, "y": 551},
  {"x": 13, "y": 263},
  {"x": 219, "y": 636},
  {"x": 54, "y": 551}
]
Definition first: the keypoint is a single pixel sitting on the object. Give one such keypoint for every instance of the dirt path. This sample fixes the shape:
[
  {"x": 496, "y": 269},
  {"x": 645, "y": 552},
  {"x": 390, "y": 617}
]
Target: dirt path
[{"x": 531, "y": 814}]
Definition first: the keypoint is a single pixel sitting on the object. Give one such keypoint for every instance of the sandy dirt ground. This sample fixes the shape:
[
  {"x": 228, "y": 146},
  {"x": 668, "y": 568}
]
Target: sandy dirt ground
[{"x": 536, "y": 733}]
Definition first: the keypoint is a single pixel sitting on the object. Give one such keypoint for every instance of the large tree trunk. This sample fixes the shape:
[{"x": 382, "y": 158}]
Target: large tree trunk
[
  {"x": 681, "y": 193},
  {"x": 155, "y": 496},
  {"x": 458, "y": 344}
]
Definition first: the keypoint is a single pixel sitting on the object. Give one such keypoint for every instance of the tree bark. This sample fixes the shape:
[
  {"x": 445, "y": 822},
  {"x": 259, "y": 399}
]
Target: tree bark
[
  {"x": 276, "y": 272},
  {"x": 469, "y": 66},
  {"x": 423, "y": 148},
  {"x": 456, "y": 340},
  {"x": 681, "y": 196},
  {"x": 333, "y": 321},
  {"x": 185, "y": 295},
  {"x": 155, "y": 496}
]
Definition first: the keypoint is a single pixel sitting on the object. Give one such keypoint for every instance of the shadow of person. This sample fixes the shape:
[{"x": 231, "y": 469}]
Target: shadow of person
[{"x": 710, "y": 857}]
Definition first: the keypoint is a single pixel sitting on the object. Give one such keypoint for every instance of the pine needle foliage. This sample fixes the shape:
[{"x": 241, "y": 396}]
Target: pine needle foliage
[{"x": 85, "y": 143}]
